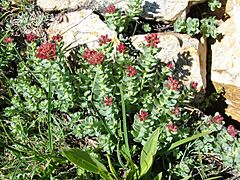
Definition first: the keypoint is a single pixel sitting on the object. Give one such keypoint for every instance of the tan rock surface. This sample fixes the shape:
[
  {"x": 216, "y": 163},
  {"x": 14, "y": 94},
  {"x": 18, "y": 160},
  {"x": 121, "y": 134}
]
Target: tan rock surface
[
  {"x": 80, "y": 27},
  {"x": 226, "y": 58},
  {"x": 188, "y": 54},
  {"x": 167, "y": 10}
]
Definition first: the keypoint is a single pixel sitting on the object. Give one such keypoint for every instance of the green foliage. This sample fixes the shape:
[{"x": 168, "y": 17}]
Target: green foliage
[
  {"x": 86, "y": 161},
  {"x": 214, "y": 4},
  {"x": 148, "y": 152},
  {"x": 208, "y": 26},
  {"x": 120, "y": 21},
  {"x": 113, "y": 114}
]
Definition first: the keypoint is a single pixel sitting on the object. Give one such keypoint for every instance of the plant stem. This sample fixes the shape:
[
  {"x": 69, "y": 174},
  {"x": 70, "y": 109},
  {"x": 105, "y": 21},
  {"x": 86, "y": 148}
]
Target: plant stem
[
  {"x": 125, "y": 133},
  {"x": 50, "y": 136}
]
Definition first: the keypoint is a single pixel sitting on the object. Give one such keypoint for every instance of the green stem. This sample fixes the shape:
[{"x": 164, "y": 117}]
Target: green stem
[
  {"x": 125, "y": 133},
  {"x": 50, "y": 136}
]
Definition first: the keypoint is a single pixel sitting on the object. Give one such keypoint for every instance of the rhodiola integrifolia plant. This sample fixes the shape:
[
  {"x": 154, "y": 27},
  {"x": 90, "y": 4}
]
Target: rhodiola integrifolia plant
[
  {"x": 120, "y": 20},
  {"x": 110, "y": 102}
]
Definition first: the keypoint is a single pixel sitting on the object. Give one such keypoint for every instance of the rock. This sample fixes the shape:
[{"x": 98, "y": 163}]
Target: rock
[
  {"x": 80, "y": 27},
  {"x": 167, "y": 10},
  {"x": 188, "y": 55},
  {"x": 58, "y": 5},
  {"x": 226, "y": 58}
]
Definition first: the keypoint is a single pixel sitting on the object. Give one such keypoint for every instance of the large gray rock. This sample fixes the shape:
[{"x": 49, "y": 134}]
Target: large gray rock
[
  {"x": 188, "y": 55},
  {"x": 80, "y": 27},
  {"x": 226, "y": 58},
  {"x": 167, "y": 10}
]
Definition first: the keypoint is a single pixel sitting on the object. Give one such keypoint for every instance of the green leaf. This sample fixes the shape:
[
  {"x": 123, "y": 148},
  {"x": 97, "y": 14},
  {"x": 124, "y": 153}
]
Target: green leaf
[
  {"x": 112, "y": 168},
  {"x": 159, "y": 176},
  {"x": 183, "y": 141},
  {"x": 86, "y": 161},
  {"x": 148, "y": 152}
]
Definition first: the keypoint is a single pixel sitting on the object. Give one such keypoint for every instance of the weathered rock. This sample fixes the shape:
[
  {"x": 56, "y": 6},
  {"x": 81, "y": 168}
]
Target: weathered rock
[
  {"x": 226, "y": 58},
  {"x": 188, "y": 55},
  {"x": 58, "y": 5},
  {"x": 80, "y": 27},
  {"x": 167, "y": 10}
]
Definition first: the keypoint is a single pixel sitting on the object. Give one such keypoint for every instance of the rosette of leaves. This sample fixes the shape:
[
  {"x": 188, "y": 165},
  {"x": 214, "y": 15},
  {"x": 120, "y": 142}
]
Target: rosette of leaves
[
  {"x": 209, "y": 27},
  {"x": 214, "y": 4}
]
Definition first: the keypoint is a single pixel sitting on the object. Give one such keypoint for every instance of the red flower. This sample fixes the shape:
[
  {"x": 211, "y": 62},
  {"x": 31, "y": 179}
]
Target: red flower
[
  {"x": 47, "y": 51},
  {"x": 93, "y": 56},
  {"x": 8, "y": 40},
  {"x": 131, "y": 71},
  {"x": 172, "y": 84},
  {"x": 232, "y": 131},
  {"x": 194, "y": 85},
  {"x": 152, "y": 40},
  {"x": 176, "y": 111},
  {"x": 216, "y": 119},
  {"x": 172, "y": 127},
  {"x": 103, "y": 40},
  {"x": 170, "y": 65},
  {"x": 110, "y": 9},
  {"x": 31, "y": 37},
  {"x": 57, "y": 38},
  {"x": 143, "y": 115},
  {"x": 108, "y": 101},
  {"x": 121, "y": 48}
]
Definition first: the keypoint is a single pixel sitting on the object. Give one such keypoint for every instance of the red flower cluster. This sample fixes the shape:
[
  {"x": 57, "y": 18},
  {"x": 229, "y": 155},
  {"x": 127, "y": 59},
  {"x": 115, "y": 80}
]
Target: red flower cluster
[
  {"x": 176, "y": 111},
  {"x": 232, "y": 131},
  {"x": 93, "y": 56},
  {"x": 8, "y": 40},
  {"x": 170, "y": 65},
  {"x": 110, "y": 9},
  {"x": 194, "y": 85},
  {"x": 143, "y": 115},
  {"x": 131, "y": 71},
  {"x": 47, "y": 51},
  {"x": 152, "y": 40},
  {"x": 216, "y": 119},
  {"x": 172, "y": 127},
  {"x": 108, "y": 101},
  {"x": 103, "y": 40},
  {"x": 31, "y": 37},
  {"x": 121, "y": 48},
  {"x": 172, "y": 84},
  {"x": 57, "y": 38}
]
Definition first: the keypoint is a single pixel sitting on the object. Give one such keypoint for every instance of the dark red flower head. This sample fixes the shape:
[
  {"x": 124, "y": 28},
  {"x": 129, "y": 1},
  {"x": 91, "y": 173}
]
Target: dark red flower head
[
  {"x": 194, "y": 85},
  {"x": 108, "y": 101},
  {"x": 176, "y": 111},
  {"x": 110, "y": 9},
  {"x": 57, "y": 38},
  {"x": 152, "y": 40},
  {"x": 121, "y": 48},
  {"x": 172, "y": 127},
  {"x": 47, "y": 51},
  {"x": 131, "y": 71},
  {"x": 172, "y": 84},
  {"x": 93, "y": 56},
  {"x": 216, "y": 119},
  {"x": 103, "y": 40},
  {"x": 143, "y": 115},
  {"x": 31, "y": 37},
  {"x": 8, "y": 40},
  {"x": 232, "y": 131},
  {"x": 170, "y": 65}
]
